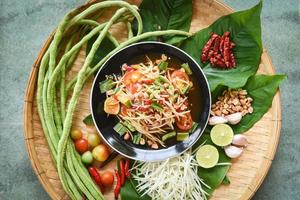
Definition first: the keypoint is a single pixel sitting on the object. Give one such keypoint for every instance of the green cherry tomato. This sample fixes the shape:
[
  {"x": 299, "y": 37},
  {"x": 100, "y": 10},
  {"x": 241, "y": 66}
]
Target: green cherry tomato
[
  {"x": 76, "y": 134},
  {"x": 87, "y": 157},
  {"x": 93, "y": 139}
]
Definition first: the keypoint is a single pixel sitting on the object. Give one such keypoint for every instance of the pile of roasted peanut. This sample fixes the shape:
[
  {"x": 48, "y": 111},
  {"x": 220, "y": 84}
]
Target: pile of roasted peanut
[{"x": 230, "y": 107}]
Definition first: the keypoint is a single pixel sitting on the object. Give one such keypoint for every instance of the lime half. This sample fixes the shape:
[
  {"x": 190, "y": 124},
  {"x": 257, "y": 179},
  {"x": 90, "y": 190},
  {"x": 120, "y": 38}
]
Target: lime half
[
  {"x": 207, "y": 156},
  {"x": 221, "y": 134}
]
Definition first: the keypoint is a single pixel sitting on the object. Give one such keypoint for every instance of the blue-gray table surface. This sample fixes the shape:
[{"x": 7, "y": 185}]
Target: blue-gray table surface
[{"x": 24, "y": 27}]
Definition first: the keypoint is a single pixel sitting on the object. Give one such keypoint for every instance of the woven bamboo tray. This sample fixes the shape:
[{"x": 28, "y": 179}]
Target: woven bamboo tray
[{"x": 246, "y": 173}]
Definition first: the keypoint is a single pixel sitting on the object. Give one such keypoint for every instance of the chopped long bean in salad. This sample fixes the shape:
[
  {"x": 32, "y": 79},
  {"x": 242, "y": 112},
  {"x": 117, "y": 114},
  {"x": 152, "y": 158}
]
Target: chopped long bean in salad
[{"x": 151, "y": 101}]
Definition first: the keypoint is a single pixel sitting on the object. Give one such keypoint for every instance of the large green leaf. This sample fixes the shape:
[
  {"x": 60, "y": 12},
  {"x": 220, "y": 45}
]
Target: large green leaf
[
  {"x": 166, "y": 14},
  {"x": 262, "y": 89},
  {"x": 128, "y": 191},
  {"x": 245, "y": 30}
]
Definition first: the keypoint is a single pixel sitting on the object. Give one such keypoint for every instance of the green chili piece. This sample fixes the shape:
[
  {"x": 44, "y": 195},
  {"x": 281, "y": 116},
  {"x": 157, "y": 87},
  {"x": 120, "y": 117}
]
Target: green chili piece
[
  {"x": 156, "y": 106},
  {"x": 106, "y": 85},
  {"x": 163, "y": 65},
  {"x": 187, "y": 68},
  {"x": 182, "y": 136},
  {"x": 168, "y": 136},
  {"x": 120, "y": 129}
]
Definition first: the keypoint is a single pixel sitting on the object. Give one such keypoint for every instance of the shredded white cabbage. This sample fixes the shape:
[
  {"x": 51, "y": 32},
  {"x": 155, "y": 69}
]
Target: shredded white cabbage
[{"x": 172, "y": 179}]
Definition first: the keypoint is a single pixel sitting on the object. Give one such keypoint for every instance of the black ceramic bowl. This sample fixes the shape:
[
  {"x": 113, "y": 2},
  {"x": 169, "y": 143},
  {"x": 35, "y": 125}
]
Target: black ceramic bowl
[{"x": 105, "y": 124}]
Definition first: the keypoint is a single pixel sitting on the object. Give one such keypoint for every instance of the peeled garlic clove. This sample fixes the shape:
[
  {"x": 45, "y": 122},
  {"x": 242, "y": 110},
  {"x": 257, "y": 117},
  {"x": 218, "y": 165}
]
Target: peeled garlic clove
[
  {"x": 240, "y": 140},
  {"x": 233, "y": 151},
  {"x": 234, "y": 118},
  {"x": 217, "y": 120}
]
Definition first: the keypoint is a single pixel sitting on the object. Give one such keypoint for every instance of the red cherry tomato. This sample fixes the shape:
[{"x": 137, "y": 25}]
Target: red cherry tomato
[
  {"x": 185, "y": 123},
  {"x": 107, "y": 179},
  {"x": 81, "y": 145}
]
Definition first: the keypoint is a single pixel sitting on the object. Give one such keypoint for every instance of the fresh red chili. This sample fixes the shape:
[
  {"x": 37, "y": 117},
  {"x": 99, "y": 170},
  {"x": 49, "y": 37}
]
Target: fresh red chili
[
  {"x": 118, "y": 185},
  {"x": 96, "y": 176},
  {"x": 127, "y": 173},
  {"x": 122, "y": 172}
]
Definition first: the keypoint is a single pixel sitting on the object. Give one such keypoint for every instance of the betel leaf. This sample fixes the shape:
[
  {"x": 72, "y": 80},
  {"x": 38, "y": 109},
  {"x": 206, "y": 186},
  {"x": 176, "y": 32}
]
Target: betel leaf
[
  {"x": 165, "y": 15},
  {"x": 213, "y": 176},
  {"x": 226, "y": 181},
  {"x": 261, "y": 88},
  {"x": 129, "y": 192},
  {"x": 105, "y": 47},
  {"x": 88, "y": 120},
  {"x": 245, "y": 32}
]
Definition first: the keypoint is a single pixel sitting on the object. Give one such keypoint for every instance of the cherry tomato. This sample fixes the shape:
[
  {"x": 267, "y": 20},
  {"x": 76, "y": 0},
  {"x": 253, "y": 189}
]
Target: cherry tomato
[
  {"x": 111, "y": 106},
  {"x": 185, "y": 123},
  {"x": 93, "y": 139},
  {"x": 107, "y": 179},
  {"x": 76, "y": 134},
  {"x": 81, "y": 145},
  {"x": 100, "y": 152},
  {"x": 132, "y": 77},
  {"x": 87, "y": 157}
]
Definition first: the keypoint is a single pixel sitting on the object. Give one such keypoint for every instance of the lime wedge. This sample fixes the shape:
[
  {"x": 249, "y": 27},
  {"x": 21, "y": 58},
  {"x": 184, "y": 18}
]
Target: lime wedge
[
  {"x": 221, "y": 134},
  {"x": 207, "y": 156}
]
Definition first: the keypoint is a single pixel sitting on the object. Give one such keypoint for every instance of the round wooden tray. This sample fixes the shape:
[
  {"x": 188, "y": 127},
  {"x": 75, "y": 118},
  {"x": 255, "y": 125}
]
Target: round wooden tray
[{"x": 246, "y": 173}]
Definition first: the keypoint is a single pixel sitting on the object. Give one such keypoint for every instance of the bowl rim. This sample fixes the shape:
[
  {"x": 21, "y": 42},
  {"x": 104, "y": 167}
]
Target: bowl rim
[{"x": 145, "y": 43}]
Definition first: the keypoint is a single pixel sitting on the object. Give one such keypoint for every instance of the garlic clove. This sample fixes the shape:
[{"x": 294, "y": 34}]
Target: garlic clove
[
  {"x": 233, "y": 151},
  {"x": 217, "y": 120},
  {"x": 234, "y": 118},
  {"x": 240, "y": 140}
]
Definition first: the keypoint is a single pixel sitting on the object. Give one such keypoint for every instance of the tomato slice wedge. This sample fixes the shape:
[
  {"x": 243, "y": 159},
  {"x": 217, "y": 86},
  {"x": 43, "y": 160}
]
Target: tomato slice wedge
[
  {"x": 180, "y": 74},
  {"x": 111, "y": 106},
  {"x": 132, "y": 77},
  {"x": 184, "y": 123}
]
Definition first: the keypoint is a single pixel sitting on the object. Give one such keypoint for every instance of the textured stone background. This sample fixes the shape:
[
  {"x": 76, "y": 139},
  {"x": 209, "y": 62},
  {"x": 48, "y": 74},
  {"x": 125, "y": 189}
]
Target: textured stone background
[{"x": 25, "y": 25}]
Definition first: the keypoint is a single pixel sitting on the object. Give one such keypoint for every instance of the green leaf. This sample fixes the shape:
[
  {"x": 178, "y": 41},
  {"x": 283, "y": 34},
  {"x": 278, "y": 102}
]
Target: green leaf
[
  {"x": 213, "y": 176},
  {"x": 164, "y": 15},
  {"x": 88, "y": 120},
  {"x": 261, "y": 88},
  {"x": 128, "y": 191},
  {"x": 245, "y": 32},
  {"x": 105, "y": 47},
  {"x": 226, "y": 181}
]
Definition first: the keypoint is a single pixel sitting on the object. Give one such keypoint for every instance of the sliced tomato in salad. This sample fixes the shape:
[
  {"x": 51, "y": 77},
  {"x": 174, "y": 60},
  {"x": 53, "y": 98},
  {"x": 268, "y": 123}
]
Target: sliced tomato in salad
[
  {"x": 180, "y": 80},
  {"x": 132, "y": 77},
  {"x": 111, "y": 106},
  {"x": 180, "y": 75},
  {"x": 184, "y": 123}
]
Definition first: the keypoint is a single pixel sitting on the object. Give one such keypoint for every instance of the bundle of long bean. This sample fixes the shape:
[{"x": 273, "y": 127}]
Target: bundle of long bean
[{"x": 57, "y": 119}]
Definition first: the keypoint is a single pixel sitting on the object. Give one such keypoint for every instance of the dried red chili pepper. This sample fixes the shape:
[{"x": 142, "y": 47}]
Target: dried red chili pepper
[
  {"x": 96, "y": 176},
  {"x": 122, "y": 171},
  {"x": 118, "y": 185},
  {"x": 218, "y": 51},
  {"x": 206, "y": 48},
  {"x": 127, "y": 173}
]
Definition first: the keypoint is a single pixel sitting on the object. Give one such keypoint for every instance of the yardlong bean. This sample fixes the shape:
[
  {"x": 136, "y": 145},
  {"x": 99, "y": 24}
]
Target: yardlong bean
[{"x": 56, "y": 122}]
